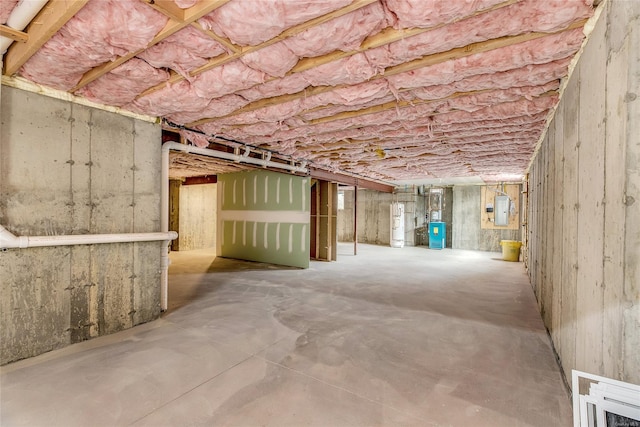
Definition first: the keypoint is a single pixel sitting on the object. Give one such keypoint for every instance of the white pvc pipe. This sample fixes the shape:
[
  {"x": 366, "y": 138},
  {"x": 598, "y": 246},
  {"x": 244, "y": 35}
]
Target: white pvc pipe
[
  {"x": 10, "y": 241},
  {"x": 21, "y": 15},
  {"x": 240, "y": 158}
]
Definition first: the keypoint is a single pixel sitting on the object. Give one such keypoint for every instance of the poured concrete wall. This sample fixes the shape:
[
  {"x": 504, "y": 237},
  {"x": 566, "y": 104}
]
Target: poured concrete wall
[
  {"x": 468, "y": 232},
  {"x": 374, "y": 216},
  {"x": 71, "y": 169},
  {"x": 264, "y": 216},
  {"x": 584, "y": 206}
]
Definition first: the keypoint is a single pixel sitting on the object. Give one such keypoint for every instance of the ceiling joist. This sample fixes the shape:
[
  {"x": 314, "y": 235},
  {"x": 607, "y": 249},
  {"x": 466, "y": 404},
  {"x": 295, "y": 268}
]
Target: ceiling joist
[
  {"x": 389, "y": 35},
  {"x": 190, "y": 15},
  {"x": 168, "y": 8},
  {"x": 425, "y": 61},
  {"x": 239, "y": 52},
  {"x": 48, "y": 21}
]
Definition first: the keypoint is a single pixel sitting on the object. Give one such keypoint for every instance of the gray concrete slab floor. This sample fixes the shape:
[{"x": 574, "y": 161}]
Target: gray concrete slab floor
[{"x": 390, "y": 337}]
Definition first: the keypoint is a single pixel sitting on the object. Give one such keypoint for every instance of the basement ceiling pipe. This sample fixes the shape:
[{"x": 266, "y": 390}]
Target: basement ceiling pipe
[
  {"x": 10, "y": 241},
  {"x": 164, "y": 196},
  {"x": 235, "y": 157},
  {"x": 21, "y": 15}
]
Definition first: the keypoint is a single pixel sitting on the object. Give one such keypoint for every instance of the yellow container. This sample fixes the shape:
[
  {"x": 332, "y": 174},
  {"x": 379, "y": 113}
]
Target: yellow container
[{"x": 510, "y": 250}]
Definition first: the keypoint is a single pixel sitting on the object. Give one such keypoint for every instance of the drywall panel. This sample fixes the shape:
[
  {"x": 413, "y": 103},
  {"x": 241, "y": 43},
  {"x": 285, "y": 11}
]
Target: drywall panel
[
  {"x": 264, "y": 216},
  {"x": 70, "y": 169},
  {"x": 590, "y": 280}
]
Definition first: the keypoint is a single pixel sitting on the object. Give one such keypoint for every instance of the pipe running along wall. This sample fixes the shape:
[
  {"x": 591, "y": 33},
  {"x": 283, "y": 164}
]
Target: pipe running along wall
[
  {"x": 10, "y": 241},
  {"x": 164, "y": 196}
]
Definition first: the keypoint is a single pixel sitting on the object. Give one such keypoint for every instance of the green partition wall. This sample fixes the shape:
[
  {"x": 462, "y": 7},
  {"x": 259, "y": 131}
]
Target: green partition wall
[{"x": 264, "y": 216}]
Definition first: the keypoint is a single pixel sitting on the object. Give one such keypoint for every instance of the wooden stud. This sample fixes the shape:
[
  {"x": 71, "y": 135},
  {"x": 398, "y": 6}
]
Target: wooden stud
[
  {"x": 48, "y": 21},
  {"x": 15, "y": 35}
]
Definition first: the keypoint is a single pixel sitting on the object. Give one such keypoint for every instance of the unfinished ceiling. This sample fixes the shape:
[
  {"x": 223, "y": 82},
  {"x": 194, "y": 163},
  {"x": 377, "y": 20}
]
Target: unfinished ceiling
[{"x": 390, "y": 90}]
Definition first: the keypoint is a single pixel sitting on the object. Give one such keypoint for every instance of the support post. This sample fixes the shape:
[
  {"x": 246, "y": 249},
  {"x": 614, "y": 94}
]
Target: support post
[{"x": 355, "y": 220}]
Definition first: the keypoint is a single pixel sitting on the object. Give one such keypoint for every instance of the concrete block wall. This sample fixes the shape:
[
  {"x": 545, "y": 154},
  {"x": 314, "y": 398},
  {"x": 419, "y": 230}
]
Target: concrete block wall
[
  {"x": 584, "y": 206},
  {"x": 467, "y": 231},
  {"x": 71, "y": 169}
]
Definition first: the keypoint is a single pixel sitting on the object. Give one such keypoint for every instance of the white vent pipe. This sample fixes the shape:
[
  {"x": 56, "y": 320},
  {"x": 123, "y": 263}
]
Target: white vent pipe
[
  {"x": 235, "y": 157},
  {"x": 21, "y": 15},
  {"x": 10, "y": 241}
]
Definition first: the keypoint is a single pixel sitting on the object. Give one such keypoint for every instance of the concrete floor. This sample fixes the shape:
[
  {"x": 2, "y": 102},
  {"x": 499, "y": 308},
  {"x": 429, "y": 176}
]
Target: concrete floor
[{"x": 391, "y": 337}]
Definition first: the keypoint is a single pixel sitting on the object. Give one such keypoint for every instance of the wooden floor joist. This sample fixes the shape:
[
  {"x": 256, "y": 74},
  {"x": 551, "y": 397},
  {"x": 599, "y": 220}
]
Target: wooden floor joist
[
  {"x": 425, "y": 61},
  {"x": 46, "y": 23}
]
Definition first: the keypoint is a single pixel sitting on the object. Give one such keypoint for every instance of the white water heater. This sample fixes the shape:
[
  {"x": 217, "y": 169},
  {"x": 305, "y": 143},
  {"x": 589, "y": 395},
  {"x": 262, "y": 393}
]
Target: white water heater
[{"x": 397, "y": 225}]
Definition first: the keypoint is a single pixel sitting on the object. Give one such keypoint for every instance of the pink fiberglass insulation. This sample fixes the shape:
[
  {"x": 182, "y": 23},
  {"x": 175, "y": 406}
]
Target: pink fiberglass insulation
[
  {"x": 351, "y": 70},
  {"x": 438, "y": 75},
  {"x": 98, "y": 33},
  {"x": 465, "y": 103},
  {"x": 350, "y": 95},
  {"x": 519, "y": 18},
  {"x": 530, "y": 75},
  {"x": 292, "y": 83},
  {"x": 274, "y": 60},
  {"x": 481, "y": 100},
  {"x": 216, "y": 108},
  {"x": 178, "y": 97},
  {"x": 6, "y": 6},
  {"x": 226, "y": 79},
  {"x": 197, "y": 139},
  {"x": 429, "y": 13},
  {"x": 418, "y": 114},
  {"x": 183, "y": 51},
  {"x": 250, "y": 23},
  {"x": 123, "y": 83},
  {"x": 541, "y": 50},
  {"x": 345, "y": 32}
]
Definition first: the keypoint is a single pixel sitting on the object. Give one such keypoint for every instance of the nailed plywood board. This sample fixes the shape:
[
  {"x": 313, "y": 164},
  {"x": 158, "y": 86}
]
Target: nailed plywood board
[{"x": 488, "y": 195}]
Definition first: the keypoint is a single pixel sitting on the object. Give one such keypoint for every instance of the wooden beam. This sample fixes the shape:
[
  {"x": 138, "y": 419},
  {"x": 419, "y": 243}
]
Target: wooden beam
[
  {"x": 15, "y": 35},
  {"x": 342, "y": 178},
  {"x": 355, "y": 220},
  {"x": 425, "y": 61},
  {"x": 239, "y": 52},
  {"x": 222, "y": 40},
  {"x": 172, "y": 27},
  {"x": 197, "y": 180},
  {"x": 168, "y": 8},
  {"x": 48, "y": 21},
  {"x": 391, "y": 105},
  {"x": 384, "y": 37}
]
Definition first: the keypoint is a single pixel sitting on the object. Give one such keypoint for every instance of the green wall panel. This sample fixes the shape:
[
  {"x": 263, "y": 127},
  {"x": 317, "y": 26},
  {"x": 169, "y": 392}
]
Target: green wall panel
[{"x": 264, "y": 216}]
